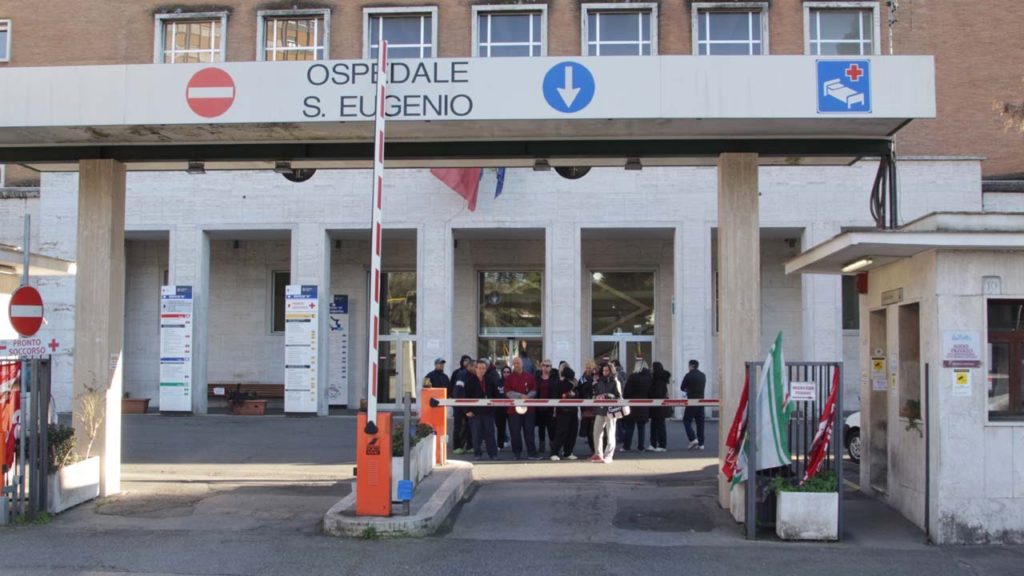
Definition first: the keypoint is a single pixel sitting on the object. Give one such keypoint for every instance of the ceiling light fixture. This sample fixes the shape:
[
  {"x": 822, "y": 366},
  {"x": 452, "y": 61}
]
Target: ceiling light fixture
[{"x": 857, "y": 265}]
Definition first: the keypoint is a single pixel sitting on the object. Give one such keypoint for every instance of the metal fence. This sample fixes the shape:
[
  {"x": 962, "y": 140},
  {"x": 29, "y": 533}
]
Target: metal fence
[
  {"x": 23, "y": 486},
  {"x": 803, "y": 425}
]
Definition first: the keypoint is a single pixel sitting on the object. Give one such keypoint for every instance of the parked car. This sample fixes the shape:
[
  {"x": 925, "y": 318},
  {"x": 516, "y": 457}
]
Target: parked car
[{"x": 851, "y": 436}]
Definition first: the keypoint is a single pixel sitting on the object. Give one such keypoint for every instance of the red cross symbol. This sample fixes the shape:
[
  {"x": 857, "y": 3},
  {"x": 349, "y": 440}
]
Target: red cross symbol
[
  {"x": 854, "y": 72},
  {"x": 54, "y": 345}
]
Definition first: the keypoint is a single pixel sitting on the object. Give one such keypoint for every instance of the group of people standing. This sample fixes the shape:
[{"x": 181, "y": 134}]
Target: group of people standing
[{"x": 533, "y": 432}]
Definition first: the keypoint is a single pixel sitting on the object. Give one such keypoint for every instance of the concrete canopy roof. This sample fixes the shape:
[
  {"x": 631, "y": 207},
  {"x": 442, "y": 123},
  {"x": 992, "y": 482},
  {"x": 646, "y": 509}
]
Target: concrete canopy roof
[
  {"x": 12, "y": 262},
  {"x": 939, "y": 231}
]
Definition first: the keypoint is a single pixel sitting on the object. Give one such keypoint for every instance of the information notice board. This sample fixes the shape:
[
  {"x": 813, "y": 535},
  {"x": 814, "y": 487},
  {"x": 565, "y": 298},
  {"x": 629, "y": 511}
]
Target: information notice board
[
  {"x": 337, "y": 352},
  {"x": 300, "y": 348},
  {"x": 176, "y": 307}
]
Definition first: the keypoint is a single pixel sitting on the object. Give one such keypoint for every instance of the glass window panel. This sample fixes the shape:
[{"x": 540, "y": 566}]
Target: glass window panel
[
  {"x": 623, "y": 50},
  {"x": 645, "y": 26},
  {"x": 592, "y": 26},
  {"x": 502, "y": 51},
  {"x": 3, "y": 44},
  {"x": 730, "y": 26},
  {"x": 398, "y": 303},
  {"x": 510, "y": 303},
  {"x": 375, "y": 24},
  {"x": 483, "y": 34},
  {"x": 622, "y": 302},
  {"x": 402, "y": 30},
  {"x": 427, "y": 31},
  {"x": 1005, "y": 316},
  {"x": 851, "y": 304},
  {"x": 535, "y": 18},
  {"x": 840, "y": 25},
  {"x": 280, "y": 280},
  {"x": 502, "y": 350},
  {"x": 999, "y": 377},
  {"x": 510, "y": 28},
  {"x": 732, "y": 49},
  {"x": 702, "y": 26},
  {"x": 618, "y": 27},
  {"x": 755, "y": 25}
]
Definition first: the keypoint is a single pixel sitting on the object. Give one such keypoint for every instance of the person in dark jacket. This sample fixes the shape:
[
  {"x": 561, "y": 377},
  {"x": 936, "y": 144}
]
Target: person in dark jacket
[
  {"x": 637, "y": 386},
  {"x": 693, "y": 387},
  {"x": 437, "y": 378},
  {"x": 545, "y": 419},
  {"x": 659, "y": 391},
  {"x": 457, "y": 389},
  {"x": 567, "y": 421},
  {"x": 501, "y": 416},
  {"x": 481, "y": 420},
  {"x": 585, "y": 390}
]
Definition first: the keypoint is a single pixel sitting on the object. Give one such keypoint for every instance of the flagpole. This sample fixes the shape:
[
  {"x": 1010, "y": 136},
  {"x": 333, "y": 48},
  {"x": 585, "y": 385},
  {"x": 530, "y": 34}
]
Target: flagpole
[{"x": 375, "y": 233}]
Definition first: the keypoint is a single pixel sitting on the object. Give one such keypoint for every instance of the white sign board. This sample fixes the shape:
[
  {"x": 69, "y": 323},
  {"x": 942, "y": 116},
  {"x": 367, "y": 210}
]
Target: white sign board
[
  {"x": 879, "y": 383},
  {"x": 300, "y": 348},
  {"x": 176, "y": 308},
  {"x": 961, "y": 349},
  {"x": 962, "y": 382},
  {"x": 803, "y": 392},
  {"x": 337, "y": 351},
  {"x": 474, "y": 89},
  {"x": 36, "y": 347}
]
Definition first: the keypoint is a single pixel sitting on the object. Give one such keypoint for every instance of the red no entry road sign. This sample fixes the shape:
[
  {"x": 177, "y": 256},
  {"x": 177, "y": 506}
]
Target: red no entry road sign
[
  {"x": 26, "y": 310},
  {"x": 210, "y": 92}
]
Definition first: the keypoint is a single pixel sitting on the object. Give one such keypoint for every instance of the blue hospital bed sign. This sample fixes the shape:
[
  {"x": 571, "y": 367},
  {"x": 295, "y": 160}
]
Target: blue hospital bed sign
[{"x": 844, "y": 86}]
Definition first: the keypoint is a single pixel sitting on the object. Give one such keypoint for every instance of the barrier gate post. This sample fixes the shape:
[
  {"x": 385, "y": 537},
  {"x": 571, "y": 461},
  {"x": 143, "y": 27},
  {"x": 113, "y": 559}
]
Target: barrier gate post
[
  {"x": 437, "y": 417},
  {"x": 373, "y": 467}
]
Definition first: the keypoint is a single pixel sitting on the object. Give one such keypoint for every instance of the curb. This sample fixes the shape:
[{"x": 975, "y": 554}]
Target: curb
[{"x": 429, "y": 510}]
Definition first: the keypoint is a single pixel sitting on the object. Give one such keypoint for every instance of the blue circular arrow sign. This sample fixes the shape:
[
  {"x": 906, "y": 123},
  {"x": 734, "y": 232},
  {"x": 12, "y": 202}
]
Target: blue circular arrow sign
[{"x": 568, "y": 87}]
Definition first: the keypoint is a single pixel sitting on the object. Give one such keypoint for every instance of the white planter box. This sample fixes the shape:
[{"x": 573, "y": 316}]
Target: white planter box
[
  {"x": 807, "y": 516},
  {"x": 421, "y": 463},
  {"x": 73, "y": 485}
]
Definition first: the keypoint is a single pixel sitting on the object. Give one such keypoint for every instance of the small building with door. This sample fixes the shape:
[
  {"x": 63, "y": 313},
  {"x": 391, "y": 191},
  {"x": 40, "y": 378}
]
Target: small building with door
[{"x": 941, "y": 368}]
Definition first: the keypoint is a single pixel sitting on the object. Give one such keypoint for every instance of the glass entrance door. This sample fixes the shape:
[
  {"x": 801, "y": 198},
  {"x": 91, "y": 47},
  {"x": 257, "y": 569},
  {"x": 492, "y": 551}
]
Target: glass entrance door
[
  {"x": 622, "y": 316},
  {"x": 397, "y": 365},
  {"x": 625, "y": 348}
]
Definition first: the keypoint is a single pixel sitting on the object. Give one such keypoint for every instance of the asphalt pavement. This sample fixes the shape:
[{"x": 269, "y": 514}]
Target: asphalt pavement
[{"x": 233, "y": 495}]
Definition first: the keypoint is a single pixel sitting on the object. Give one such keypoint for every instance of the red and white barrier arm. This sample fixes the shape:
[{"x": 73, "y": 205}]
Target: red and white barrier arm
[
  {"x": 570, "y": 402},
  {"x": 376, "y": 212}
]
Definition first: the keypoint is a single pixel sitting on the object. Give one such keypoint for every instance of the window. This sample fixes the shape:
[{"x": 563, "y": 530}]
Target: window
[
  {"x": 841, "y": 28},
  {"x": 851, "y": 304},
  {"x": 622, "y": 302},
  {"x": 279, "y": 280},
  {"x": 515, "y": 30},
  {"x": 186, "y": 38},
  {"x": 398, "y": 303},
  {"x": 293, "y": 34},
  {"x": 737, "y": 29},
  {"x": 5, "y": 40},
  {"x": 1005, "y": 391},
  {"x": 510, "y": 315},
  {"x": 620, "y": 29},
  {"x": 410, "y": 32}
]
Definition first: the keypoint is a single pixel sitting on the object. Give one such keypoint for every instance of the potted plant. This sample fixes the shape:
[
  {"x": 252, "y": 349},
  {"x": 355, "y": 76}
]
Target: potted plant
[
  {"x": 422, "y": 451},
  {"x": 245, "y": 403},
  {"x": 131, "y": 405},
  {"x": 427, "y": 449},
  {"x": 808, "y": 511},
  {"x": 71, "y": 481}
]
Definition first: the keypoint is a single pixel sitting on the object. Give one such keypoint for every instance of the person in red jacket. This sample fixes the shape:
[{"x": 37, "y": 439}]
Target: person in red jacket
[{"x": 520, "y": 384}]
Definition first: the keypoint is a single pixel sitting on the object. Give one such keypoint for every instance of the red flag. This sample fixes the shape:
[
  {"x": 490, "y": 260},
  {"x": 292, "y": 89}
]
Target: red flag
[
  {"x": 465, "y": 182},
  {"x": 10, "y": 404},
  {"x": 737, "y": 435},
  {"x": 824, "y": 434}
]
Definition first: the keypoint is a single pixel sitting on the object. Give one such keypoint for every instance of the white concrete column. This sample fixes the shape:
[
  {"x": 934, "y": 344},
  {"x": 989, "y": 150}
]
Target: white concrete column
[
  {"x": 99, "y": 317},
  {"x": 311, "y": 265},
  {"x": 822, "y": 304},
  {"x": 189, "y": 265},
  {"x": 435, "y": 273},
  {"x": 562, "y": 295},
  {"x": 692, "y": 319},
  {"x": 739, "y": 285}
]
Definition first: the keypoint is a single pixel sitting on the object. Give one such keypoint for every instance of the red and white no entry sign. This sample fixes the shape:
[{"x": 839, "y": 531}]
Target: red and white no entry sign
[
  {"x": 26, "y": 310},
  {"x": 210, "y": 92}
]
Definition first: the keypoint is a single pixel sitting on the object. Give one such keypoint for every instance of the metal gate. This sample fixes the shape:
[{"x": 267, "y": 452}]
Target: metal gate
[
  {"x": 803, "y": 425},
  {"x": 25, "y": 397}
]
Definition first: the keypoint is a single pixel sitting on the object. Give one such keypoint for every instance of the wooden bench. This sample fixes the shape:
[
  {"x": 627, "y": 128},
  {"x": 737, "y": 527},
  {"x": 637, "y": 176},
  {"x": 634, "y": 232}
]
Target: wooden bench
[{"x": 262, "y": 391}]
